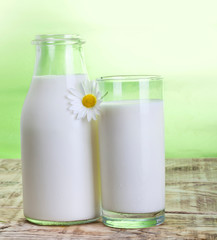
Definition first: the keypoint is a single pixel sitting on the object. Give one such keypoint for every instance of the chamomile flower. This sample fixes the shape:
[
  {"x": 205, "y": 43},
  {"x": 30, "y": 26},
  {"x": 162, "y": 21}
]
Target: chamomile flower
[{"x": 85, "y": 102}]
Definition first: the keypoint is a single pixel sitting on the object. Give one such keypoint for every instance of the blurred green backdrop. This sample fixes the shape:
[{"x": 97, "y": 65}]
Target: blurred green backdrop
[{"x": 176, "y": 39}]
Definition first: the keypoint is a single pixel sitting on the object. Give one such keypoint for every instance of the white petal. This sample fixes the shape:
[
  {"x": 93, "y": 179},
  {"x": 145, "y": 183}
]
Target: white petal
[
  {"x": 71, "y": 108},
  {"x": 90, "y": 83},
  {"x": 93, "y": 87},
  {"x": 70, "y": 97},
  {"x": 97, "y": 103},
  {"x": 94, "y": 116},
  {"x": 98, "y": 95},
  {"x": 89, "y": 116},
  {"x": 90, "y": 87},
  {"x": 80, "y": 108},
  {"x": 81, "y": 114},
  {"x": 75, "y": 93},
  {"x": 96, "y": 111},
  {"x": 85, "y": 86},
  {"x": 75, "y": 108},
  {"x": 75, "y": 103},
  {"x": 85, "y": 113}
]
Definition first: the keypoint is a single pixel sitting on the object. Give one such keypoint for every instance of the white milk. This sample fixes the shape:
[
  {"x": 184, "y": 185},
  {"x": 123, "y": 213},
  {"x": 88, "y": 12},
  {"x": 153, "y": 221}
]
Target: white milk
[
  {"x": 60, "y": 172},
  {"x": 131, "y": 135}
]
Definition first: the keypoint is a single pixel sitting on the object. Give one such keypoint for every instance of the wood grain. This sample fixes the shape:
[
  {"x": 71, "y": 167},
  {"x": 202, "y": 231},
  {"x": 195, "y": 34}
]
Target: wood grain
[{"x": 191, "y": 207}]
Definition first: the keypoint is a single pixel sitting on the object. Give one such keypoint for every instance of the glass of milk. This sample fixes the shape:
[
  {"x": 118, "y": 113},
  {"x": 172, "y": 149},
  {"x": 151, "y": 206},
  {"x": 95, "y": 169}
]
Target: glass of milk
[
  {"x": 132, "y": 158},
  {"x": 59, "y": 157}
]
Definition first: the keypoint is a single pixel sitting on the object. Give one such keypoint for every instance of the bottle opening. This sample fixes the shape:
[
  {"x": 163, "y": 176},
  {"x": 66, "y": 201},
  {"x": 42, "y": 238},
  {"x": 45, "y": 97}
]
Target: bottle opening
[{"x": 57, "y": 39}]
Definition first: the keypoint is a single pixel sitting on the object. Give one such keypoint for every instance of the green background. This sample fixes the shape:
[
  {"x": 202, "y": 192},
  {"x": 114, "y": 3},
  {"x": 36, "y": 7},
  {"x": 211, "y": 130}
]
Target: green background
[{"x": 174, "y": 38}]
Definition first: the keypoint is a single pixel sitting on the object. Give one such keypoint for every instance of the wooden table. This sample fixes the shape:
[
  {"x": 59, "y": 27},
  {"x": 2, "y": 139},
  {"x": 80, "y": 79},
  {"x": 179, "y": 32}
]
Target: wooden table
[{"x": 191, "y": 207}]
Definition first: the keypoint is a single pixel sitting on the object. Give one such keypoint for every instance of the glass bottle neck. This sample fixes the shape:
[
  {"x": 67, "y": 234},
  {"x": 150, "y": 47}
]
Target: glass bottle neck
[{"x": 66, "y": 59}]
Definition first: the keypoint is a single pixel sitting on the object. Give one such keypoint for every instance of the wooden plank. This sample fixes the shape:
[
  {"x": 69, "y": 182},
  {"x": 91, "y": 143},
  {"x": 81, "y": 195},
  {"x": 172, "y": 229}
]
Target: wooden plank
[
  {"x": 191, "y": 170},
  {"x": 192, "y": 197},
  {"x": 200, "y": 197},
  {"x": 11, "y": 183},
  {"x": 8, "y": 215},
  {"x": 10, "y": 165},
  {"x": 177, "y": 226},
  {"x": 191, "y": 207},
  {"x": 182, "y": 198}
]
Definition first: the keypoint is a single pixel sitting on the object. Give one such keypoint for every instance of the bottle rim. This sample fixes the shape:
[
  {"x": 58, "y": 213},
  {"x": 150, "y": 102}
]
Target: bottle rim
[{"x": 57, "y": 39}]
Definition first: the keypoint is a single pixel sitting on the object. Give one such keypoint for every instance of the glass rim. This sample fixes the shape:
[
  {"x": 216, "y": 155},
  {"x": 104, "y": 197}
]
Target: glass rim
[
  {"x": 57, "y": 39},
  {"x": 131, "y": 78}
]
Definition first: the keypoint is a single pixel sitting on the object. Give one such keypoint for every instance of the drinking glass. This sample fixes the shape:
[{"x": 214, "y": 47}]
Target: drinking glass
[{"x": 132, "y": 158}]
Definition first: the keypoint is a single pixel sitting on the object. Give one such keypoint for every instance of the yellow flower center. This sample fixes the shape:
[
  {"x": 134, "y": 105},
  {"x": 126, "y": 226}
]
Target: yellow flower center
[{"x": 89, "y": 100}]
